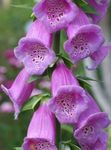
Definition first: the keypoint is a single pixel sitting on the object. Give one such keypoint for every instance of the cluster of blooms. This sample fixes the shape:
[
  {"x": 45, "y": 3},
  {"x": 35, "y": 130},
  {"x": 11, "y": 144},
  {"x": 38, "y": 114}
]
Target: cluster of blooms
[{"x": 70, "y": 103}]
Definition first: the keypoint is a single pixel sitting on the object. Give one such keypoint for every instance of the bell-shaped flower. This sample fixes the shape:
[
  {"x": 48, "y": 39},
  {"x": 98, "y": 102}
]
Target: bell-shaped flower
[
  {"x": 100, "y": 144},
  {"x": 101, "y": 7},
  {"x": 69, "y": 100},
  {"x": 55, "y": 14},
  {"x": 19, "y": 91},
  {"x": 84, "y": 38},
  {"x": 34, "y": 50},
  {"x": 91, "y": 129},
  {"x": 41, "y": 131},
  {"x": 98, "y": 56}
]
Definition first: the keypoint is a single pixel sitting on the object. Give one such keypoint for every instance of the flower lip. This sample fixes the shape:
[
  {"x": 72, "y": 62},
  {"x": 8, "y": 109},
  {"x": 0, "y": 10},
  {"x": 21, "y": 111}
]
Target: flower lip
[
  {"x": 38, "y": 143},
  {"x": 35, "y": 55},
  {"x": 82, "y": 44},
  {"x": 56, "y": 14},
  {"x": 69, "y": 102},
  {"x": 92, "y": 127}
]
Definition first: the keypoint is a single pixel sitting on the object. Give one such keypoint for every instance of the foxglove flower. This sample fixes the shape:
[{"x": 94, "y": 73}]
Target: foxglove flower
[
  {"x": 100, "y": 144},
  {"x": 34, "y": 50},
  {"x": 41, "y": 131},
  {"x": 56, "y": 14},
  {"x": 83, "y": 38},
  {"x": 101, "y": 7},
  {"x": 91, "y": 130},
  {"x": 69, "y": 99},
  {"x": 20, "y": 90},
  {"x": 98, "y": 56}
]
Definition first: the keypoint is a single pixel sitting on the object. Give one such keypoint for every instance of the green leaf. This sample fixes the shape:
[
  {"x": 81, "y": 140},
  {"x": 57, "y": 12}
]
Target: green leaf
[
  {"x": 18, "y": 148},
  {"x": 74, "y": 147},
  {"x": 80, "y": 2},
  {"x": 85, "y": 6},
  {"x": 88, "y": 9},
  {"x": 33, "y": 78},
  {"x": 34, "y": 102},
  {"x": 87, "y": 78},
  {"x": 21, "y": 6}
]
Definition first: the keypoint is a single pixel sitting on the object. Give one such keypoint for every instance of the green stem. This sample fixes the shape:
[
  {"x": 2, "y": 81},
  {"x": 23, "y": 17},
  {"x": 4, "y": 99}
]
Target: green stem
[{"x": 57, "y": 42}]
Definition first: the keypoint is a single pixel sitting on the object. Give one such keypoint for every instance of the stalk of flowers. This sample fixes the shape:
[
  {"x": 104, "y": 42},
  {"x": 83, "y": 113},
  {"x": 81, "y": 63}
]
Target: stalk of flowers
[
  {"x": 85, "y": 40},
  {"x": 20, "y": 91},
  {"x": 41, "y": 131},
  {"x": 73, "y": 105},
  {"x": 34, "y": 50}
]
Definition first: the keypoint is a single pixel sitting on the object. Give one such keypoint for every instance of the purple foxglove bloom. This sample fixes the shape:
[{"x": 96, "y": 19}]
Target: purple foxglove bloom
[
  {"x": 6, "y": 107},
  {"x": 92, "y": 128},
  {"x": 98, "y": 56},
  {"x": 101, "y": 7},
  {"x": 9, "y": 55},
  {"x": 56, "y": 14},
  {"x": 83, "y": 38},
  {"x": 69, "y": 99},
  {"x": 41, "y": 131},
  {"x": 100, "y": 144},
  {"x": 20, "y": 90},
  {"x": 34, "y": 50}
]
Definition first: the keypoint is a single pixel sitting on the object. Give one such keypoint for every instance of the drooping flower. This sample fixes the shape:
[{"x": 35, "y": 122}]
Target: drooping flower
[
  {"x": 98, "y": 56},
  {"x": 92, "y": 129},
  {"x": 69, "y": 100},
  {"x": 20, "y": 90},
  {"x": 56, "y": 14},
  {"x": 34, "y": 50},
  {"x": 9, "y": 55},
  {"x": 84, "y": 38},
  {"x": 41, "y": 131},
  {"x": 101, "y": 7}
]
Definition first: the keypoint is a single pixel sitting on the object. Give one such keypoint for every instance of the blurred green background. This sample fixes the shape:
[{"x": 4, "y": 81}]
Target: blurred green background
[{"x": 14, "y": 16}]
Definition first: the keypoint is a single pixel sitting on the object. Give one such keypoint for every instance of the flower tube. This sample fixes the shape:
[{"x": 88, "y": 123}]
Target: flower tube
[
  {"x": 19, "y": 91},
  {"x": 41, "y": 131}
]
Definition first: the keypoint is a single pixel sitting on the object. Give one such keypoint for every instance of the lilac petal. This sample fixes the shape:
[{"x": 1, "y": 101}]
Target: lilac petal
[
  {"x": 35, "y": 56},
  {"x": 90, "y": 130},
  {"x": 68, "y": 104},
  {"x": 100, "y": 144},
  {"x": 40, "y": 135},
  {"x": 62, "y": 76},
  {"x": 20, "y": 90},
  {"x": 38, "y": 31},
  {"x": 92, "y": 108},
  {"x": 86, "y": 40},
  {"x": 98, "y": 56},
  {"x": 56, "y": 14},
  {"x": 101, "y": 6}
]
